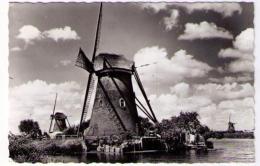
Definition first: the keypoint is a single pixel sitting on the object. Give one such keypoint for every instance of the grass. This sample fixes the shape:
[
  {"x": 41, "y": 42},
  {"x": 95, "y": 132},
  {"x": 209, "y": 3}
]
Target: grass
[{"x": 28, "y": 150}]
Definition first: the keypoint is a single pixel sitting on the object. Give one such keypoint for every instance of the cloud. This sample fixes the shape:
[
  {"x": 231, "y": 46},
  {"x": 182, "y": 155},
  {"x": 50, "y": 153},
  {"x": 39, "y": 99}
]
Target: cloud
[
  {"x": 166, "y": 71},
  {"x": 65, "y": 62},
  {"x": 65, "y": 33},
  {"x": 15, "y": 49},
  {"x": 228, "y": 91},
  {"x": 245, "y": 40},
  {"x": 155, "y": 7},
  {"x": 172, "y": 20},
  {"x": 225, "y": 9},
  {"x": 169, "y": 104},
  {"x": 237, "y": 104},
  {"x": 181, "y": 89},
  {"x": 234, "y": 53},
  {"x": 241, "y": 66},
  {"x": 230, "y": 79},
  {"x": 169, "y": 21},
  {"x": 35, "y": 100},
  {"x": 30, "y": 33},
  {"x": 213, "y": 102},
  {"x": 242, "y": 52},
  {"x": 204, "y": 30}
]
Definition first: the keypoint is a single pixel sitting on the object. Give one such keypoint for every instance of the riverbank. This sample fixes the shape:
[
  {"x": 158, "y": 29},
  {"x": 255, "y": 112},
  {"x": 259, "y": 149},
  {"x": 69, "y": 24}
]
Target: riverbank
[
  {"x": 225, "y": 151},
  {"x": 28, "y": 150},
  {"x": 234, "y": 135}
]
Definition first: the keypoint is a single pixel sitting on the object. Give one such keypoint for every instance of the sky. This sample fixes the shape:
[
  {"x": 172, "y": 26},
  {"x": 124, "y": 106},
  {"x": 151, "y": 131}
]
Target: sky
[{"x": 200, "y": 55}]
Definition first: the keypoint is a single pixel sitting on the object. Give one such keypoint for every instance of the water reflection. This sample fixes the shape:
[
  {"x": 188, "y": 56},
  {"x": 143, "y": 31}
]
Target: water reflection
[{"x": 225, "y": 151}]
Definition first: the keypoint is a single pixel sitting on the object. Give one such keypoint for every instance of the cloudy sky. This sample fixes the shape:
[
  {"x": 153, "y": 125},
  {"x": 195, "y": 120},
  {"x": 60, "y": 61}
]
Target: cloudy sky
[{"x": 201, "y": 57}]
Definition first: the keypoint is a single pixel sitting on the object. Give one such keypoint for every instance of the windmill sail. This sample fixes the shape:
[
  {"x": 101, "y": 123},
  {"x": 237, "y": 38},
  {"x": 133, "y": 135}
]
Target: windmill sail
[
  {"x": 52, "y": 115},
  {"x": 84, "y": 62},
  {"x": 90, "y": 98}
]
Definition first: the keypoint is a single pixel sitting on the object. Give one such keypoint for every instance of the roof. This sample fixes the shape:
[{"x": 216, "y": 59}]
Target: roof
[
  {"x": 115, "y": 60},
  {"x": 60, "y": 115}
]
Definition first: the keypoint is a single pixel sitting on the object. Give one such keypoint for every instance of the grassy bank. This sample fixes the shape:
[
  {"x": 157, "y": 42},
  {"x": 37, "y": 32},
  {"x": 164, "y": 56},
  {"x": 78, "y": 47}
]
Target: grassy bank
[{"x": 28, "y": 150}]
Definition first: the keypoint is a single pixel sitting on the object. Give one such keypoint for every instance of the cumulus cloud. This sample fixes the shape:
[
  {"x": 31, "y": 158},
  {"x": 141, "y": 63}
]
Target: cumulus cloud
[
  {"x": 181, "y": 89},
  {"x": 241, "y": 66},
  {"x": 245, "y": 40},
  {"x": 213, "y": 102},
  {"x": 225, "y": 9},
  {"x": 236, "y": 104},
  {"x": 30, "y": 33},
  {"x": 231, "y": 79},
  {"x": 169, "y": 104},
  {"x": 234, "y": 53},
  {"x": 204, "y": 30},
  {"x": 65, "y": 33},
  {"x": 172, "y": 20},
  {"x": 242, "y": 52},
  {"x": 169, "y": 21},
  {"x": 155, "y": 7},
  {"x": 165, "y": 70},
  {"x": 218, "y": 92},
  {"x": 35, "y": 100}
]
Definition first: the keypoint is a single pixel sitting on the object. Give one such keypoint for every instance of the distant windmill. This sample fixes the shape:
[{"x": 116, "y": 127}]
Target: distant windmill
[
  {"x": 59, "y": 119},
  {"x": 231, "y": 125},
  {"x": 109, "y": 94}
]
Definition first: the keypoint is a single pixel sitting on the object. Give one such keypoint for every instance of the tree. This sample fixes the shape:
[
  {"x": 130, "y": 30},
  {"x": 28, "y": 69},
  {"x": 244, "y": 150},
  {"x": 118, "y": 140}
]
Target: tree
[
  {"x": 145, "y": 124},
  {"x": 30, "y": 127},
  {"x": 186, "y": 121}
]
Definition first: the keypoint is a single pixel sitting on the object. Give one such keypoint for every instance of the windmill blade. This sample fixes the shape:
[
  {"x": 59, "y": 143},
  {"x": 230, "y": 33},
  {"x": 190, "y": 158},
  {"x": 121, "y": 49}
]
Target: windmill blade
[
  {"x": 85, "y": 101},
  {"x": 50, "y": 124},
  {"x": 91, "y": 66},
  {"x": 55, "y": 104},
  {"x": 68, "y": 122},
  {"x": 139, "y": 83},
  {"x": 98, "y": 31},
  {"x": 84, "y": 62},
  {"x": 52, "y": 115}
]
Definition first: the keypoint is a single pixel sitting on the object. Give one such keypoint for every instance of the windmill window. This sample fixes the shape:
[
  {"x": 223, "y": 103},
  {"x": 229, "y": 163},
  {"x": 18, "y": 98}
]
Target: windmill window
[{"x": 122, "y": 103}]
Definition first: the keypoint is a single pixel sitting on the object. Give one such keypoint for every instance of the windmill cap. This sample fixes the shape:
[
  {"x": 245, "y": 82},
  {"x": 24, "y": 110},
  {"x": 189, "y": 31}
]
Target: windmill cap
[
  {"x": 115, "y": 60},
  {"x": 60, "y": 115}
]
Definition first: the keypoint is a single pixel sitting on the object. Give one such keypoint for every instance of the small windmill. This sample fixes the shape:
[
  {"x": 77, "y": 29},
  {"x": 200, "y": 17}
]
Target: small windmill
[
  {"x": 59, "y": 119},
  {"x": 109, "y": 96},
  {"x": 231, "y": 125}
]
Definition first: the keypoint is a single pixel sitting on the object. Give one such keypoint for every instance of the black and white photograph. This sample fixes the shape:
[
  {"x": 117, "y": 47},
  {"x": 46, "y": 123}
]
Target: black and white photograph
[{"x": 131, "y": 82}]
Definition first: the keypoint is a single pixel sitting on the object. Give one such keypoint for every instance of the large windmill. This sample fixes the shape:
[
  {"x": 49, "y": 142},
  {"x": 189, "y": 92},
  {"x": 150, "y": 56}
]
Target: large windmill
[
  {"x": 61, "y": 121},
  {"x": 109, "y": 98}
]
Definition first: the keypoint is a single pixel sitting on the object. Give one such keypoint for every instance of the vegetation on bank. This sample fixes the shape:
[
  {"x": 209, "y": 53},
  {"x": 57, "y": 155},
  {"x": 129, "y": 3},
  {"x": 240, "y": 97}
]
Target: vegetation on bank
[
  {"x": 237, "y": 135},
  {"x": 22, "y": 149},
  {"x": 33, "y": 146}
]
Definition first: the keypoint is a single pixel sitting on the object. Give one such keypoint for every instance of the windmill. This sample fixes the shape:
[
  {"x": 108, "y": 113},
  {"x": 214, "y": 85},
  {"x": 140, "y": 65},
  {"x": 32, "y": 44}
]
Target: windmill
[
  {"x": 59, "y": 119},
  {"x": 109, "y": 97},
  {"x": 231, "y": 126}
]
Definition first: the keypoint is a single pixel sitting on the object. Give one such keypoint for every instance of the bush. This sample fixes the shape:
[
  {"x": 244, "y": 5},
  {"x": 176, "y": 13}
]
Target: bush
[{"x": 21, "y": 150}]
